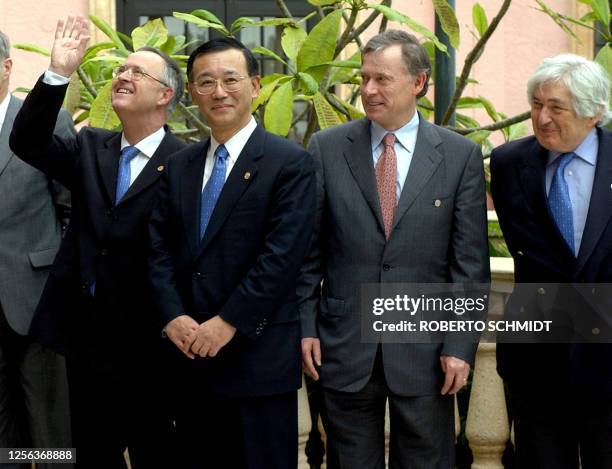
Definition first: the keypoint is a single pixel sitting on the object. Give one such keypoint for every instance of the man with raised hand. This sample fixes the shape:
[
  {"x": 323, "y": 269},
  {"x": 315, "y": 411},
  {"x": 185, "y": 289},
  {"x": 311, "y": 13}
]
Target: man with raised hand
[{"x": 98, "y": 288}]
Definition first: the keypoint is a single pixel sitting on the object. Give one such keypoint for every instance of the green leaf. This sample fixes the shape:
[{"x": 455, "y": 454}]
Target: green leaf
[
  {"x": 127, "y": 40},
  {"x": 326, "y": 114},
  {"x": 448, "y": 21},
  {"x": 179, "y": 44},
  {"x": 342, "y": 72},
  {"x": 489, "y": 108},
  {"x": 467, "y": 102},
  {"x": 169, "y": 46},
  {"x": 354, "y": 112},
  {"x": 202, "y": 23},
  {"x": 273, "y": 77},
  {"x": 241, "y": 22},
  {"x": 73, "y": 94},
  {"x": 272, "y": 22},
  {"x": 33, "y": 48},
  {"x": 308, "y": 84},
  {"x": 152, "y": 34},
  {"x": 279, "y": 110},
  {"x": 516, "y": 131},
  {"x": 109, "y": 31},
  {"x": 264, "y": 51},
  {"x": 102, "y": 114},
  {"x": 320, "y": 45},
  {"x": 266, "y": 91},
  {"x": 322, "y": 3},
  {"x": 479, "y": 136},
  {"x": 394, "y": 15},
  {"x": 604, "y": 58},
  {"x": 556, "y": 18},
  {"x": 207, "y": 15},
  {"x": 601, "y": 8},
  {"x": 479, "y": 18},
  {"x": 291, "y": 41},
  {"x": 81, "y": 117},
  {"x": 466, "y": 121},
  {"x": 92, "y": 51},
  {"x": 109, "y": 59},
  {"x": 21, "y": 89}
]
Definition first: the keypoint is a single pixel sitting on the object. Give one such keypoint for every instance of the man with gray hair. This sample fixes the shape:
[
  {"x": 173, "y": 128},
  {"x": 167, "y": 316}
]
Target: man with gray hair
[
  {"x": 98, "y": 287},
  {"x": 553, "y": 196},
  {"x": 399, "y": 200},
  {"x": 33, "y": 388}
]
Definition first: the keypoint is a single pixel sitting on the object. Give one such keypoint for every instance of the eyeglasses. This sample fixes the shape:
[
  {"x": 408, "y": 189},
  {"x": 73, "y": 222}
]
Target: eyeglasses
[
  {"x": 135, "y": 74},
  {"x": 207, "y": 85}
]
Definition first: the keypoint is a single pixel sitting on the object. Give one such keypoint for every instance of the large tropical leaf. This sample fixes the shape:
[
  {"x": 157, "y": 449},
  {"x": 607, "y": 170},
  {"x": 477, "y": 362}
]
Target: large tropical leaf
[
  {"x": 279, "y": 110},
  {"x": 479, "y": 18},
  {"x": 200, "y": 22},
  {"x": 152, "y": 34},
  {"x": 101, "y": 113},
  {"x": 326, "y": 114},
  {"x": 109, "y": 31},
  {"x": 448, "y": 21},
  {"x": 291, "y": 41},
  {"x": 320, "y": 45},
  {"x": 33, "y": 48}
]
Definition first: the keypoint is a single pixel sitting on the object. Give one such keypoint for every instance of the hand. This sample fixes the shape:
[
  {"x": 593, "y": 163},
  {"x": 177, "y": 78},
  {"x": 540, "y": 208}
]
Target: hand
[
  {"x": 182, "y": 332},
  {"x": 71, "y": 38},
  {"x": 212, "y": 336},
  {"x": 311, "y": 355},
  {"x": 456, "y": 373}
]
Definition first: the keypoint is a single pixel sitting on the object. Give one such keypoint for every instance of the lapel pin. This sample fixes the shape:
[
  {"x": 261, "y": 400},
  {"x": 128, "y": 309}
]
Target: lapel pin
[
  {"x": 437, "y": 202},
  {"x": 247, "y": 175},
  {"x": 160, "y": 168}
]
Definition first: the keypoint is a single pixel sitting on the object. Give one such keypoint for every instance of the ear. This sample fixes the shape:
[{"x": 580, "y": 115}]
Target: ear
[
  {"x": 166, "y": 96},
  {"x": 419, "y": 83},
  {"x": 256, "y": 84},
  {"x": 7, "y": 66}
]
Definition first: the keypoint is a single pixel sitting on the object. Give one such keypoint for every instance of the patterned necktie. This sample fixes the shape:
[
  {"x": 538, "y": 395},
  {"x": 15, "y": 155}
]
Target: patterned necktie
[
  {"x": 559, "y": 201},
  {"x": 386, "y": 176},
  {"x": 213, "y": 187},
  {"x": 123, "y": 178}
]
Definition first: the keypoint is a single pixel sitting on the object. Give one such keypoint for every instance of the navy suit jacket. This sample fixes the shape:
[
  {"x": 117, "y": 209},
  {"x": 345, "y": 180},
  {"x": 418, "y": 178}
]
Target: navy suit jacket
[
  {"x": 541, "y": 255},
  {"x": 244, "y": 268}
]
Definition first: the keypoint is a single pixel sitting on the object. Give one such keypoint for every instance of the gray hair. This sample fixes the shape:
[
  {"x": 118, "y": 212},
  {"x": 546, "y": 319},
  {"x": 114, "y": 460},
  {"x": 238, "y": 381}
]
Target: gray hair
[
  {"x": 171, "y": 76},
  {"x": 414, "y": 54},
  {"x": 5, "y": 46},
  {"x": 587, "y": 82}
]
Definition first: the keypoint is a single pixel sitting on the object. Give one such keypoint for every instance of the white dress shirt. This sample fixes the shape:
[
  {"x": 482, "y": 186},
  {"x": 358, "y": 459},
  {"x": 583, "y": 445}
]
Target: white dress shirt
[{"x": 4, "y": 108}]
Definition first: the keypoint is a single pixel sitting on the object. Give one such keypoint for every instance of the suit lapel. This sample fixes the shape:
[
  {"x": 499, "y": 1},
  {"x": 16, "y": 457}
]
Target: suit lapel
[
  {"x": 191, "y": 191},
  {"x": 600, "y": 205},
  {"x": 424, "y": 163},
  {"x": 236, "y": 184},
  {"x": 5, "y": 152},
  {"x": 108, "y": 165},
  {"x": 152, "y": 170},
  {"x": 359, "y": 159}
]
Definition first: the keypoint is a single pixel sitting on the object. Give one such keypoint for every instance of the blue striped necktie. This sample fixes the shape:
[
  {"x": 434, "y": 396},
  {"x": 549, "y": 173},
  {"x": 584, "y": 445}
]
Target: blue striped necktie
[
  {"x": 559, "y": 201},
  {"x": 213, "y": 188},
  {"x": 123, "y": 178}
]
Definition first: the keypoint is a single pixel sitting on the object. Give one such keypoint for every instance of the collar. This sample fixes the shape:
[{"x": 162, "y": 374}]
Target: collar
[
  {"x": 402, "y": 135},
  {"x": 4, "y": 108},
  {"x": 237, "y": 142},
  {"x": 587, "y": 150},
  {"x": 148, "y": 145}
]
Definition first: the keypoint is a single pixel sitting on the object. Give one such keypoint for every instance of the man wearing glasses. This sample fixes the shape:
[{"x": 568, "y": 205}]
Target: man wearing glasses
[
  {"x": 229, "y": 233},
  {"x": 96, "y": 305}
]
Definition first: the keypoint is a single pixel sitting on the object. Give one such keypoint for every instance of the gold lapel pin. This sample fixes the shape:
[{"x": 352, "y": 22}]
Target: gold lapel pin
[
  {"x": 160, "y": 168},
  {"x": 247, "y": 175}
]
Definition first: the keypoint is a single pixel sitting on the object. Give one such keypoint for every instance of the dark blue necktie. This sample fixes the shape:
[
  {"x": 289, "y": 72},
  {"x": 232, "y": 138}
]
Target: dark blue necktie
[
  {"x": 123, "y": 178},
  {"x": 213, "y": 188},
  {"x": 559, "y": 201}
]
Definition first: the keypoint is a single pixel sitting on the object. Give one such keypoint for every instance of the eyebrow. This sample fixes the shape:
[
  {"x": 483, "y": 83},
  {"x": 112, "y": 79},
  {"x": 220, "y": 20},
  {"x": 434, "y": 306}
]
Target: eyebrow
[{"x": 225, "y": 73}]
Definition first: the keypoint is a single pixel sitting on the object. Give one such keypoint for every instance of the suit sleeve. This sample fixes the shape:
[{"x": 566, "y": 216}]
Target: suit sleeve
[
  {"x": 290, "y": 220},
  {"x": 161, "y": 266},
  {"x": 33, "y": 140},
  {"x": 311, "y": 272},
  {"x": 64, "y": 128},
  {"x": 469, "y": 246}
]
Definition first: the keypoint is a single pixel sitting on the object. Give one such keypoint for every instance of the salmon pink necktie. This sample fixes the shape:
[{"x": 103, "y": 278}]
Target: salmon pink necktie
[{"x": 386, "y": 175}]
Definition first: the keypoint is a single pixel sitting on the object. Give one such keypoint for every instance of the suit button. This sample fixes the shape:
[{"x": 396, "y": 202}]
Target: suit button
[
  {"x": 386, "y": 267},
  {"x": 197, "y": 275},
  {"x": 541, "y": 291},
  {"x": 519, "y": 253},
  {"x": 264, "y": 321},
  {"x": 103, "y": 252},
  {"x": 595, "y": 331},
  {"x": 109, "y": 212}
]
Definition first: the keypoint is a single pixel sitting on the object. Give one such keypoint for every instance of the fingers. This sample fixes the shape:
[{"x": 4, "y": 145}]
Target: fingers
[
  {"x": 456, "y": 372},
  {"x": 316, "y": 351},
  {"x": 59, "y": 29},
  {"x": 449, "y": 378},
  {"x": 308, "y": 353}
]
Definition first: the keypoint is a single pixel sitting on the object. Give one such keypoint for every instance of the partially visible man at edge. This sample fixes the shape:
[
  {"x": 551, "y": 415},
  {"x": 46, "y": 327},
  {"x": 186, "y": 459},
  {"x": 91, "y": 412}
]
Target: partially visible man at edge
[
  {"x": 98, "y": 284},
  {"x": 552, "y": 193},
  {"x": 33, "y": 387}
]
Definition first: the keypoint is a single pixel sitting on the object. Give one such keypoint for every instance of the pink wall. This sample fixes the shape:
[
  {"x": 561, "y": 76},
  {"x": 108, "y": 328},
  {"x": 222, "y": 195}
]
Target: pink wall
[{"x": 31, "y": 21}]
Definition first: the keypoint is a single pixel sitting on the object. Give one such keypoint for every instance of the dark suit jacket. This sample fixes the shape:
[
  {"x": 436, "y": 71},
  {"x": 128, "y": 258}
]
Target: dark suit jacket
[
  {"x": 439, "y": 235},
  {"x": 245, "y": 267},
  {"x": 105, "y": 243},
  {"x": 541, "y": 255},
  {"x": 32, "y": 208}
]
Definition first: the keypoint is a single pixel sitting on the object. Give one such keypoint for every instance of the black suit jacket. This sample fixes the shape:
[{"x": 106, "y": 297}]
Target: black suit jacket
[
  {"x": 106, "y": 243},
  {"x": 540, "y": 255},
  {"x": 245, "y": 267}
]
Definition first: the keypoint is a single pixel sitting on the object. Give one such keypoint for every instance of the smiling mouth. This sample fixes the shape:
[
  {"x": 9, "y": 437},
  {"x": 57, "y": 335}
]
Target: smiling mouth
[{"x": 123, "y": 91}]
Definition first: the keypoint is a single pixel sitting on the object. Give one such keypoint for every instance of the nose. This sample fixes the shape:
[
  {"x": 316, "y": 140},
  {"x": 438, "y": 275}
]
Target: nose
[
  {"x": 368, "y": 88},
  {"x": 219, "y": 91},
  {"x": 544, "y": 116},
  {"x": 125, "y": 75}
]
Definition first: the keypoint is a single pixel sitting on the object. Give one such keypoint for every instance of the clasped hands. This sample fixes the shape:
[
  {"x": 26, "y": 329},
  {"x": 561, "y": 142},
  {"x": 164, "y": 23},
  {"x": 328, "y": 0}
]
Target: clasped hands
[{"x": 204, "y": 339}]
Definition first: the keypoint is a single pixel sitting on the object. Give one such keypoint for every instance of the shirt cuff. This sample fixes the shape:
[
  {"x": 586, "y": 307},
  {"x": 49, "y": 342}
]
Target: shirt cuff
[{"x": 52, "y": 78}]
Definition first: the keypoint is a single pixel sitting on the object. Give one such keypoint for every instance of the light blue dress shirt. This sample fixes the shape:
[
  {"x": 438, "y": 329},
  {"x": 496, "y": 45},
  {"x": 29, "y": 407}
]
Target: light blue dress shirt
[
  {"x": 579, "y": 175},
  {"x": 405, "y": 141}
]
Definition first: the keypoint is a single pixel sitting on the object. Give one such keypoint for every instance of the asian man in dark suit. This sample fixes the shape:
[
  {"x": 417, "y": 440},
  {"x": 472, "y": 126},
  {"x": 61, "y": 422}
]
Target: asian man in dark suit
[
  {"x": 399, "y": 200},
  {"x": 98, "y": 284},
  {"x": 553, "y": 195},
  {"x": 33, "y": 208},
  {"x": 228, "y": 236}
]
